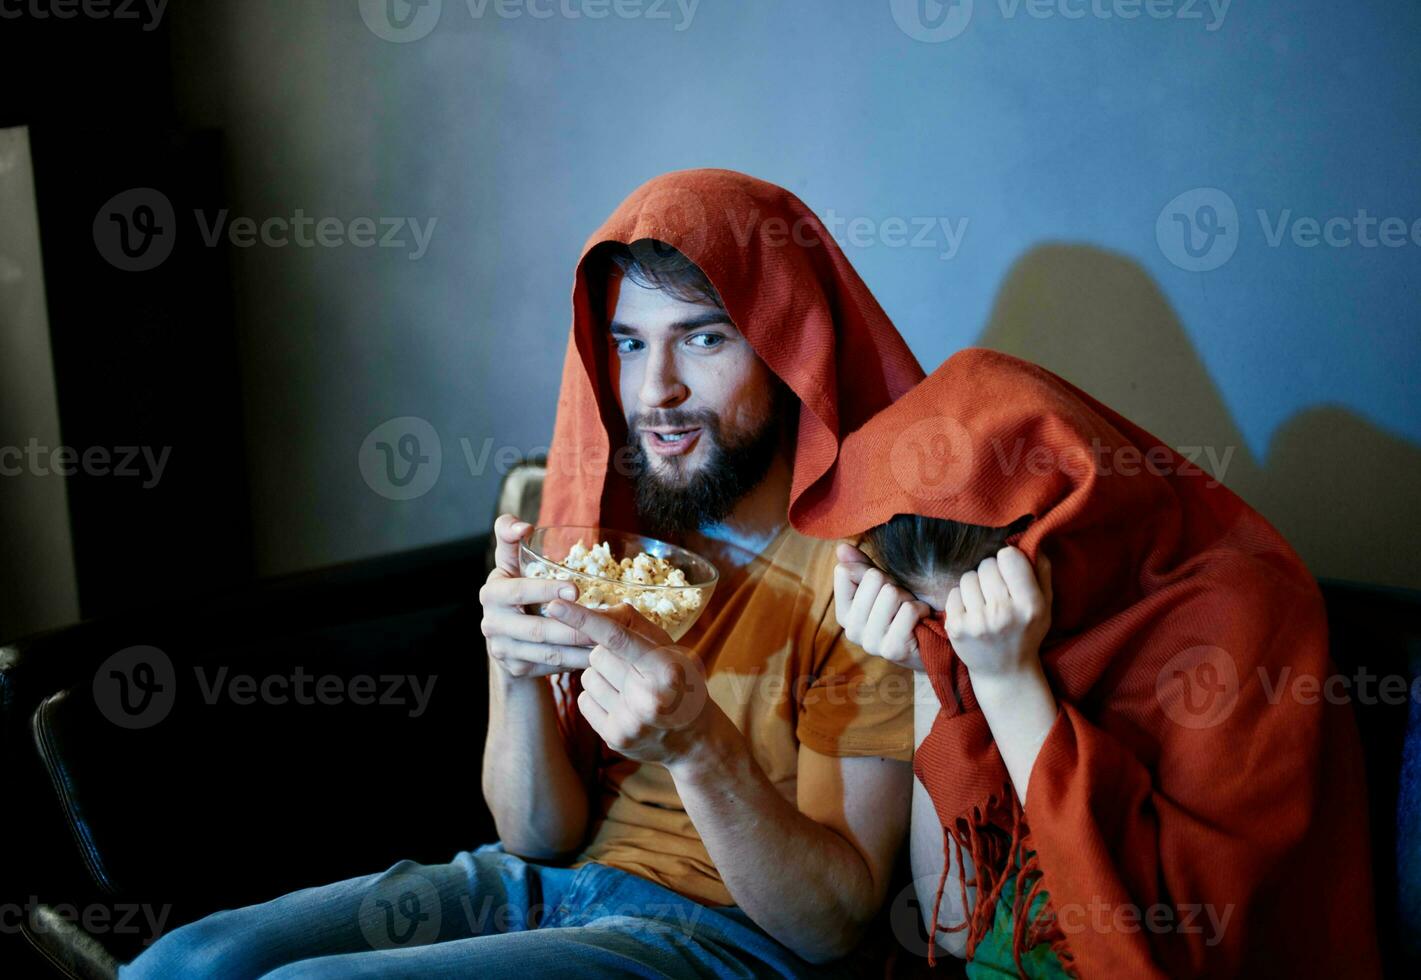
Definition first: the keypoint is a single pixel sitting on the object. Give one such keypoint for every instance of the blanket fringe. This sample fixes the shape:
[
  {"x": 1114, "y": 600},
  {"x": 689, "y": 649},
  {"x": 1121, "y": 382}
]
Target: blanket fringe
[{"x": 982, "y": 833}]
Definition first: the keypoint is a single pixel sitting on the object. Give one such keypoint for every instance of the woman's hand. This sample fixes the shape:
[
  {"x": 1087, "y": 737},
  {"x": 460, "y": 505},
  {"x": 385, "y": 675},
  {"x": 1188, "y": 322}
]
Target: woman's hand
[
  {"x": 999, "y": 614},
  {"x": 996, "y": 619},
  {"x": 876, "y": 612}
]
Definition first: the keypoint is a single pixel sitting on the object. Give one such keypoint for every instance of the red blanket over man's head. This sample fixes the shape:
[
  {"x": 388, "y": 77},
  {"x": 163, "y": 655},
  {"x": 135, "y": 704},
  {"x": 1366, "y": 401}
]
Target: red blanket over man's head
[
  {"x": 1183, "y": 771},
  {"x": 788, "y": 289}
]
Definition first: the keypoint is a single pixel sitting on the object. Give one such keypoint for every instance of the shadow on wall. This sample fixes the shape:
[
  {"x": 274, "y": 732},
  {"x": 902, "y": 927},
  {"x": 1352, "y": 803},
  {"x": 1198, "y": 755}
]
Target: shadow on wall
[{"x": 1340, "y": 489}]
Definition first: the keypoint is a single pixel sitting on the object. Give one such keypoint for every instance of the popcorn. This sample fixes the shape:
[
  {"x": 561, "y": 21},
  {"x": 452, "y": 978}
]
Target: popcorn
[{"x": 674, "y": 604}]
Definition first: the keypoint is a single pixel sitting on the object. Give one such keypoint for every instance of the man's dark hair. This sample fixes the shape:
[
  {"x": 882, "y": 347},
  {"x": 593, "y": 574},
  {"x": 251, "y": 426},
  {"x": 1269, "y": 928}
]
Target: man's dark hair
[
  {"x": 914, "y": 549},
  {"x": 654, "y": 264}
]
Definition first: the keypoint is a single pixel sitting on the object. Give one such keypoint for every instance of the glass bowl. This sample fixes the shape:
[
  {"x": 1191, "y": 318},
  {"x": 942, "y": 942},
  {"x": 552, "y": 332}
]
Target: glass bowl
[{"x": 673, "y": 607}]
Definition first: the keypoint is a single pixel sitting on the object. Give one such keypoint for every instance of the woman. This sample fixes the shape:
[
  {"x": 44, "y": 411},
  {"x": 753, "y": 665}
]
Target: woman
[{"x": 1119, "y": 778}]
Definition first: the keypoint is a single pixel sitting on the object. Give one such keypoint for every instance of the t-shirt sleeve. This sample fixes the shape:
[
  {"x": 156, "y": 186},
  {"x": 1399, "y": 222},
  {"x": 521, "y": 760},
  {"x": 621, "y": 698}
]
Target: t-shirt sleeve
[{"x": 855, "y": 704}]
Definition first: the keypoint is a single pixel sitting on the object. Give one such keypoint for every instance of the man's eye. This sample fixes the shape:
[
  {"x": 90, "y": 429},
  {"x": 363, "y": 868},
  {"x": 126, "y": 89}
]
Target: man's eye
[
  {"x": 707, "y": 340},
  {"x": 627, "y": 345}
]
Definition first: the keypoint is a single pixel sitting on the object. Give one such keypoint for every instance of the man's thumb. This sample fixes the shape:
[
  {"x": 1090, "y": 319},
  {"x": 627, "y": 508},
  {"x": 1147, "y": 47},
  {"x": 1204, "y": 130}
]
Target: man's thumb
[{"x": 508, "y": 533}]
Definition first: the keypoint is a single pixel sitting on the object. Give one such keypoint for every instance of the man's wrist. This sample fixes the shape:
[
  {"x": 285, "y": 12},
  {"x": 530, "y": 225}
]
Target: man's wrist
[
  {"x": 710, "y": 752},
  {"x": 507, "y": 685}
]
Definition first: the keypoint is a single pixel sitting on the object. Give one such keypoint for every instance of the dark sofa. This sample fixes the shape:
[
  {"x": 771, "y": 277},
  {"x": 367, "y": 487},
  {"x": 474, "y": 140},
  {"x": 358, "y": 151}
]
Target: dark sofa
[
  {"x": 224, "y": 803},
  {"x": 227, "y": 802}
]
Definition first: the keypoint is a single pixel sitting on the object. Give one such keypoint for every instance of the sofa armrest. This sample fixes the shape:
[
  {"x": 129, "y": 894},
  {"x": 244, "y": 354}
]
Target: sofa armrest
[{"x": 68, "y": 949}]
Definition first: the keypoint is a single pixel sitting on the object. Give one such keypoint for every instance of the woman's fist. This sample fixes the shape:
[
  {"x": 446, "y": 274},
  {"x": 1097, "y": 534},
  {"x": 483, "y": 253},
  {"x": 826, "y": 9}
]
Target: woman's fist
[
  {"x": 998, "y": 614},
  {"x": 876, "y": 612}
]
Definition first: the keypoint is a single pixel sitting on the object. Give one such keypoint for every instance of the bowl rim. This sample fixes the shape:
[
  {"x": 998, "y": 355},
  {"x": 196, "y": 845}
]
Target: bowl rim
[{"x": 707, "y": 584}]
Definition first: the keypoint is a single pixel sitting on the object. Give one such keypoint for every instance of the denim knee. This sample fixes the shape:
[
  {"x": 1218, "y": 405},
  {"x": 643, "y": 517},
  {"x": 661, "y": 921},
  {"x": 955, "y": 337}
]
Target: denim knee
[{"x": 205, "y": 948}]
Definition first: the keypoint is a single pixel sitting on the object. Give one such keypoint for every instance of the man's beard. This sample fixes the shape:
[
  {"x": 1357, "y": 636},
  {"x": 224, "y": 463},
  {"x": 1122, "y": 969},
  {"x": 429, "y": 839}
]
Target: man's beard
[{"x": 706, "y": 496}]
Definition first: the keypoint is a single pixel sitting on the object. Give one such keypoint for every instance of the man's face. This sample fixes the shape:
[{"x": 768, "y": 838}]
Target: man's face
[{"x": 699, "y": 405}]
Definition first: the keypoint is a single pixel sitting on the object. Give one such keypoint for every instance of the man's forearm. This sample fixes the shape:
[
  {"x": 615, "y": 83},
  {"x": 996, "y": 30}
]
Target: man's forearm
[
  {"x": 798, "y": 880},
  {"x": 538, "y": 801}
]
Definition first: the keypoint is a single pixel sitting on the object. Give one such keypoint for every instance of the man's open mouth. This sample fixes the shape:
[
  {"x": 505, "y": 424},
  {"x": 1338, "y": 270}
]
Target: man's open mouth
[{"x": 672, "y": 441}]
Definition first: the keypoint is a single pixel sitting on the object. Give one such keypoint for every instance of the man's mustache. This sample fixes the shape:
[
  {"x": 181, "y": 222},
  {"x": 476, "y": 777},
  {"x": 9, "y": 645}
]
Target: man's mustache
[{"x": 675, "y": 419}]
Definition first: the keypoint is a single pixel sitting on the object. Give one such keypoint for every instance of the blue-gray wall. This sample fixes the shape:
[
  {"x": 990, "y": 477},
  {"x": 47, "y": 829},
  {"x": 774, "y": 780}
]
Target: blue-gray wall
[{"x": 1070, "y": 149}]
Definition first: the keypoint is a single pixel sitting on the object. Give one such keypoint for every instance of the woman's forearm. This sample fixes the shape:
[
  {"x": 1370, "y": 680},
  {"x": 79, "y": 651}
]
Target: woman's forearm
[
  {"x": 927, "y": 850},
  {"x": 1020, "y": 711}
]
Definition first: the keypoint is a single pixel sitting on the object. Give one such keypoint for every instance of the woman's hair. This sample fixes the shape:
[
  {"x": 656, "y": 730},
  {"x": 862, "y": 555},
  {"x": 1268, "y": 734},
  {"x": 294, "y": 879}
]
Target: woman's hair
[
  {"x": 915, "y": 550},
  {"x": 654, "y": 265}
]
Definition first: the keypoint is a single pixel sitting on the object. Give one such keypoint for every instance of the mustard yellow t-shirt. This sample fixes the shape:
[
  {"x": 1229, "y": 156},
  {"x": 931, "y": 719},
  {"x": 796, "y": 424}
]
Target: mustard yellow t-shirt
[{"x": 779, "y": 666}]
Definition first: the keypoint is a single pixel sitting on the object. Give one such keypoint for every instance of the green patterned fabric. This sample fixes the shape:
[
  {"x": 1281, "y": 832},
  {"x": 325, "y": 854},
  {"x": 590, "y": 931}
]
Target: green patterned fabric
[{"x": 993, "y": 956}]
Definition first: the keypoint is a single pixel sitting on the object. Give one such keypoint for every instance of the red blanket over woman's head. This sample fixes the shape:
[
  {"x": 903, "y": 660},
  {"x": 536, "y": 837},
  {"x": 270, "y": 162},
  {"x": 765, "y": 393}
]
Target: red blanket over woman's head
[
  {"x": 788, "y": 289},
  {"x": 1182, "y": 769}
]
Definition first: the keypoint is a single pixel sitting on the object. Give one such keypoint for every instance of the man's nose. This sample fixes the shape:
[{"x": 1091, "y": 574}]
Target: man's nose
[{"x": 661, "y": 386}]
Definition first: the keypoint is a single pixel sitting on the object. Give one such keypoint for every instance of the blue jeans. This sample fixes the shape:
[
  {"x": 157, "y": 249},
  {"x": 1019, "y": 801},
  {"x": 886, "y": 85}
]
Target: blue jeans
[{"x": 485, "y": 914}]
